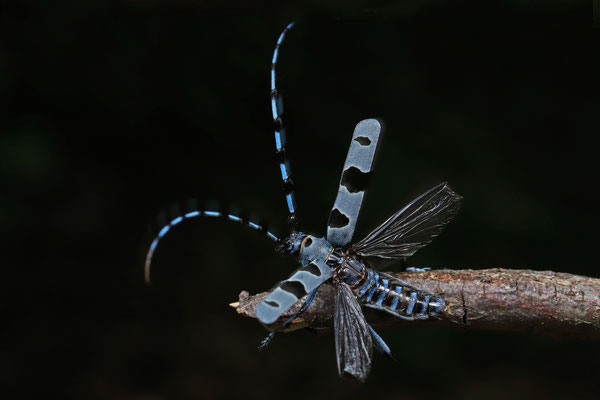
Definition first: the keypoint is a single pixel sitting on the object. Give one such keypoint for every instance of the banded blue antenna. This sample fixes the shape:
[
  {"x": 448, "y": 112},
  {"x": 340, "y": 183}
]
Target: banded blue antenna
[
  {"x": 279, "y": 130},
  {"x": 194, "y": 214}
]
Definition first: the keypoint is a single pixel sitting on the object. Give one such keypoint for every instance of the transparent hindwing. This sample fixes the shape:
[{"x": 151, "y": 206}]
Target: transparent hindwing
[
  {"x": 353, "y": 341},
  {"x": 411, "y": 228}
]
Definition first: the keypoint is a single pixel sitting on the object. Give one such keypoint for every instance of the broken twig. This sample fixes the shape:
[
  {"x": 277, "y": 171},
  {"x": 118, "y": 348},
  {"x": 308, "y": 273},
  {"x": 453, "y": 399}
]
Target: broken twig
[{"x": 540, "y": 302}]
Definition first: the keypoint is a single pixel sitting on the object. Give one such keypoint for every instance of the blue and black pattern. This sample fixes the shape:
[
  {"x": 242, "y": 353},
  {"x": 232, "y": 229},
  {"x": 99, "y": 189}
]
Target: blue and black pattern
[
  {"x": 333, "y": 259},
  {"x": 162, "y": 232},
  {"x": 279, "y": 131},
  {"x": 392, "y": 295},
  {"x": 353, "y": 183},
  {"x": 408, "y": 230}
]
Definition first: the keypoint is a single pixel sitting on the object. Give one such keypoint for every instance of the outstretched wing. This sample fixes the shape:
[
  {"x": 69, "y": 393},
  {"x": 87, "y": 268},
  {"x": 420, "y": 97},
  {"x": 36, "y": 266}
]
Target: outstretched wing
[
  {"x": 353, "y": 341},
  {"x": 411, "y": 228},
  {"x": 288, "y": 292},
  {"x": 353, "y": 182}
]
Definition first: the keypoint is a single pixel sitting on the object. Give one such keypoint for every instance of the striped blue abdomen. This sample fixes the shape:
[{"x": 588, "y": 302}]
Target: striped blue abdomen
[{"x": 384, "y": 292}]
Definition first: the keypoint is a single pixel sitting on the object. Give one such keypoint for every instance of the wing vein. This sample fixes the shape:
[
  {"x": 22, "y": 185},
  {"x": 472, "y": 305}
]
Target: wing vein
[{"x": 411, "y": 228}]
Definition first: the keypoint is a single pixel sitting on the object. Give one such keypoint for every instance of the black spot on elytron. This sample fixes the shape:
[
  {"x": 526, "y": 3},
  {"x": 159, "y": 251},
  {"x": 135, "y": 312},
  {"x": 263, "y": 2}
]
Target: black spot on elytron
[
  {"x": 363, "y": 141},
  {"x": 337, "y": 219},
  {"x": 277, "y": 124},
  {"x": 272, "y": 303},
  {"x": 294, "y": 287},
  {"x": 355, "y": 180},
  {"x": 308, "y": 242},
  {"x": 313, "y": 269}
]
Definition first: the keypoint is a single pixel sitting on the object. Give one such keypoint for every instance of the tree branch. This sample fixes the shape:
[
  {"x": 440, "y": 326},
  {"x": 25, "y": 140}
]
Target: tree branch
[{"x": 541, "y": 302}]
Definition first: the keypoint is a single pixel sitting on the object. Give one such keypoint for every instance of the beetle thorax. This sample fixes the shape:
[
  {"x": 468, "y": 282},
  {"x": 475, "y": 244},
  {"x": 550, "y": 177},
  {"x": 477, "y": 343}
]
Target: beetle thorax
[{"x": 314, "y": 248}]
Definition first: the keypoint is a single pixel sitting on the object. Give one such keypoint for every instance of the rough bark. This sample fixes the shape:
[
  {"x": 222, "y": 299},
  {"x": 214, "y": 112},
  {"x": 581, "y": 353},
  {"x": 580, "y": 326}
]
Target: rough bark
[{"x": 540, "y": 302}]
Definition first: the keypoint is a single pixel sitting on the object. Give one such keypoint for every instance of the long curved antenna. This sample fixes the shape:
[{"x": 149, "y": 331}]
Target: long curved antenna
[
  {"x": 194, "y": 214},
  {"x": 277, "y": 108}
]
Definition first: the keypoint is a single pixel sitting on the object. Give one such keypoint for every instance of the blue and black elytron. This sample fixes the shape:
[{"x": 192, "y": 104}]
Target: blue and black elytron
[{"x": 347, "y": 265}]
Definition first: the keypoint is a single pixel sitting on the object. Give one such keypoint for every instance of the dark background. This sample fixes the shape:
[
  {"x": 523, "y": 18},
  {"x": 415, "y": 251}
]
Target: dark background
[{"x": 112, "y": 111}]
